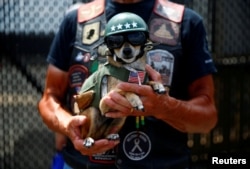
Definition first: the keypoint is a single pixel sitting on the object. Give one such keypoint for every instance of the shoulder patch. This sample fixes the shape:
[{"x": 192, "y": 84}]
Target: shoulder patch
[
  {"x": 169, "y": 10},
  {"x": 90, "y": 10}
]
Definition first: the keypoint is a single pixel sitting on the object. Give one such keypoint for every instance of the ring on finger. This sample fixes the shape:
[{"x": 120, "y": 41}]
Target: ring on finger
[{"x": 88, "y": 142}]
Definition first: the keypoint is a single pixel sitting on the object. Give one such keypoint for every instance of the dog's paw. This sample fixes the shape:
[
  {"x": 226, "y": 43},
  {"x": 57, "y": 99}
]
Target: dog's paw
[
  {"x": 113, "y": 137},
  {"x": 158, "y": 87},
  {"x": 82, "y": 101},
  {"x": 140, "y": 107},
  {"x": 88, "y": 142}
]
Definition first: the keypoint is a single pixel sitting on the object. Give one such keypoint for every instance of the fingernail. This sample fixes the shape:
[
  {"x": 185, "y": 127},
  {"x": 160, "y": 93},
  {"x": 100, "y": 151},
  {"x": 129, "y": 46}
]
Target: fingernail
[
  {"x": 116, "y": 142},
  {"x": 107, "y": 115}
]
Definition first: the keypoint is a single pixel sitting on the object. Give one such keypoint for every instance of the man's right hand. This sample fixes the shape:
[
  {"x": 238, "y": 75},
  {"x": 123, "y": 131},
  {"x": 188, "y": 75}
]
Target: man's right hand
[{"x": 74, "y": 133}]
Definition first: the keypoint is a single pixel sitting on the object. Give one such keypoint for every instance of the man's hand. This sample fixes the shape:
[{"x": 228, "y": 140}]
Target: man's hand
[
  {"x": 74, "y": 133},
  {"x": 196, "y": 115},
  {"x": 150, "y": 99}
]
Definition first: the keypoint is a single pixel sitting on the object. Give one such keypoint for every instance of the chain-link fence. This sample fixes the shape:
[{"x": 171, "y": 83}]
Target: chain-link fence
[{"x": 26, "y": 30}]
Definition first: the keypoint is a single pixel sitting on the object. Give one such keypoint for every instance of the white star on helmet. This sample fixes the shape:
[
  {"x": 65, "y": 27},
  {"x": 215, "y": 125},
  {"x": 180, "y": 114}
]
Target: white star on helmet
[
  {"x": 127, "y": 25},
  {"x": 119, "y": 26},
  {"x": 134, "y": 24},
  {"x": 112, "y": 28}
]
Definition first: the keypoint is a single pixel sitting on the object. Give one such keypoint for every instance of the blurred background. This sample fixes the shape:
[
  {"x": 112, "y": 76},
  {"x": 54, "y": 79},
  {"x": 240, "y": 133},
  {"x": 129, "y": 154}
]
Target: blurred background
[{"x": 27, "y": 28}]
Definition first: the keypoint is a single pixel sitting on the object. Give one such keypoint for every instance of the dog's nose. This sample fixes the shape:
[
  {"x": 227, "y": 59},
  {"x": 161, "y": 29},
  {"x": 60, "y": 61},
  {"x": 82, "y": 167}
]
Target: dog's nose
[{"x": 127, "y": 51}]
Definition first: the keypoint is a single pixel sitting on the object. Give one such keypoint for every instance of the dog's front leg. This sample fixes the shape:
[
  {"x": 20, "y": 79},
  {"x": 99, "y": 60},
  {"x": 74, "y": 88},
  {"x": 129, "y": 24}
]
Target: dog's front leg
[
  {"x": 158, "y": 87},
  {"x": 82, "y": 101},
  {"x": 134, "y": 100}
]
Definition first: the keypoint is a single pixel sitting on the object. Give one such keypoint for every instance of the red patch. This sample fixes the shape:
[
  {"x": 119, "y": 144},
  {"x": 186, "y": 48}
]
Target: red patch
[
  {"x": 90, "y": 10},
  {"x": 77, "y": 75}
]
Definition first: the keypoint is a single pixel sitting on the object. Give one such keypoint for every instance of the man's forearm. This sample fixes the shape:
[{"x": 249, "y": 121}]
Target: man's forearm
[
  {"x": 53, "y": 114},
  {"x": 195, "y": 116}
]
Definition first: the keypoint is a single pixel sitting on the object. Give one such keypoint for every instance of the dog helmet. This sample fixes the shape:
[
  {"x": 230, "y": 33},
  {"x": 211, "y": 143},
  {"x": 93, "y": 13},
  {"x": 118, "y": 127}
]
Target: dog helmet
[{"x": 125, "y": 22}]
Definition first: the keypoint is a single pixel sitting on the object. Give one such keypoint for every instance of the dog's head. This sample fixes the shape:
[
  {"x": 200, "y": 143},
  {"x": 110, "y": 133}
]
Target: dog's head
[
  {"x": 127, "y": 47},
  {"x": 126, "y": 35}
]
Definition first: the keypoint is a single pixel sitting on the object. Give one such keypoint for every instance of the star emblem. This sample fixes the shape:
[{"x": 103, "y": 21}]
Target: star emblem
[
  {"x": 119, "y": 26},
  {"x": 112, "y": 28},
  {"x": 134, "y": 24},
  {"x": 127, "y": 25}
]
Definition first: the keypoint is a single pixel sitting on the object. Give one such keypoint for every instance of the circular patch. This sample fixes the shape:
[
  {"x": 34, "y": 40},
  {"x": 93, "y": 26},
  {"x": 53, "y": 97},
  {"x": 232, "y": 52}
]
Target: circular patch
[
  {"x": 136, "y": 145},
  {"x": 77, "y": 75}
]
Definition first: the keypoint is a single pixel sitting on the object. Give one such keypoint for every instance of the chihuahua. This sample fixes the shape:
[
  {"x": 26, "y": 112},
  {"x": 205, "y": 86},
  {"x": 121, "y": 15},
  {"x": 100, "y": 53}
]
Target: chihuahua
[{"x": 126, "y": 60}]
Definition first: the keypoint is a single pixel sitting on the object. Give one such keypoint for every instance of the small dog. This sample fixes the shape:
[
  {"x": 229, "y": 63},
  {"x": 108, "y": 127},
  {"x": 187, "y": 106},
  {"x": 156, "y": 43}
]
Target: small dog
[{"x": 127, "y": 58}]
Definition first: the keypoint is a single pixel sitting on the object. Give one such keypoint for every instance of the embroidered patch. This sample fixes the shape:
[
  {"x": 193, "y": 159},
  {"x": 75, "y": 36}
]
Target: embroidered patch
[
  {"x": 164, "y": 31},
  {"x": 163, "y": 62},
  {"x": 77, "y": 75},
  {"x": 90, "y": 10},
  {"x": 136, "y": 145},
  {"x": 136, "y": 77},
  {"x": 104, "y": 158},
  {"x": 91, "y": 33},
  {"x": 169, "y": 10}
]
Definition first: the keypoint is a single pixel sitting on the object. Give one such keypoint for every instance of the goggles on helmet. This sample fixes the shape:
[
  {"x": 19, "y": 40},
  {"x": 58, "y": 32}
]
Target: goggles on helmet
[{"x": 134, "y": 38}]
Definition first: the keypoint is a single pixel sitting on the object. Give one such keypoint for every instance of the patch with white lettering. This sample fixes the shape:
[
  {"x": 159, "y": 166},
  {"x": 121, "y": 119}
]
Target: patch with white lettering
[
  {"x": 169, "y": 10},
  {"x": 107, "y": 157},
  {"x": 90, "y": 10},
  {"x": 136, "y": 145},
  {"x": 77, "y": 75}
]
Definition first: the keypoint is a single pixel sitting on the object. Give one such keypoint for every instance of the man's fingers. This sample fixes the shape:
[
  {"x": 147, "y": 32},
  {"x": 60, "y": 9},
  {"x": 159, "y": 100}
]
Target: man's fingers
[
  {"x": 153, "y": 74},
  {"x": 116, "y": 101},
  {"x": 99, "y": 146}
]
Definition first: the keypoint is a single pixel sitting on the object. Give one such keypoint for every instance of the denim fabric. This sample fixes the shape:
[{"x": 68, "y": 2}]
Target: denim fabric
[{"x": 66, "y": 166}]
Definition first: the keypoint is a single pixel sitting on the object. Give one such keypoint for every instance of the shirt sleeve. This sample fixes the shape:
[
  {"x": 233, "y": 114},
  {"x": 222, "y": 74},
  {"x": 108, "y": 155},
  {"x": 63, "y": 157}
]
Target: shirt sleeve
[
  {"x": 195, "y": 48},
  {"x": 63, "y": 42}
]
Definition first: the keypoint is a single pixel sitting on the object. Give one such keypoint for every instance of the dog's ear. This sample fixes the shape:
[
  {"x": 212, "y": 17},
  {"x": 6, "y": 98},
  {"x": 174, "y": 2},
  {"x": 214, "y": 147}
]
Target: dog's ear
[
  {"x": 108, "y": 52},
  {"x": 103, "y": 50},
  {"x": 149, "y": 45}
]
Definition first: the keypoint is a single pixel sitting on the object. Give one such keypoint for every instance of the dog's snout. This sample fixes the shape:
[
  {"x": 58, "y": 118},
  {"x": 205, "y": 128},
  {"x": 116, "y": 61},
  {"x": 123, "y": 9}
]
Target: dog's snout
[{"x": 127, "y": 51}]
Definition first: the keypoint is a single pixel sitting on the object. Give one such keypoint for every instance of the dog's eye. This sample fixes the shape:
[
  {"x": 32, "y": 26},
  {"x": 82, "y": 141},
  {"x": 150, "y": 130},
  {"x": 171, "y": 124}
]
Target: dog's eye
[
  {"x": 137, "y": 38},
  {"x": 114, "y": 41}
]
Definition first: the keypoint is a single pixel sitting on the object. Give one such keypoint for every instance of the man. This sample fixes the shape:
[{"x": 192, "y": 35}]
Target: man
[{"x": 188, "y": 107}]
